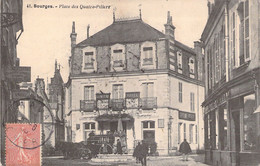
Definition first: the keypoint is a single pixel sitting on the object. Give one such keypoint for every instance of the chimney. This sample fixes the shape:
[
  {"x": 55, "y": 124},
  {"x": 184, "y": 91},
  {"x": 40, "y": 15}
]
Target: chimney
[
  {"x": 73, "y": 36},
  {"x": 169, "y": 27},
  {"x": 200, "y": 59},
  {"x": 88, "y": 31}
]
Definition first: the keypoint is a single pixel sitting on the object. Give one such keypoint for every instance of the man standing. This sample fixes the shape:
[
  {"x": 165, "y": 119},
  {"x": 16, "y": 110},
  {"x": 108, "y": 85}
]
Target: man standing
[
  {"x": 119, "y": 147},
  {"x": 185, "y": 149},
  {"x": 143, "y": 153}
]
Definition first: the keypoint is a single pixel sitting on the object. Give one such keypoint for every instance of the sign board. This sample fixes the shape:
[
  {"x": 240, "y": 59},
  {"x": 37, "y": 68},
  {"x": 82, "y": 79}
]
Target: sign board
[
  {"x": 187, "y": 116},
  {"x": 103, "y": 101},
  {"x": 20, "y": 94},
  {"x": 132, "y": 99},
  {"x": 19, "y": 74}
]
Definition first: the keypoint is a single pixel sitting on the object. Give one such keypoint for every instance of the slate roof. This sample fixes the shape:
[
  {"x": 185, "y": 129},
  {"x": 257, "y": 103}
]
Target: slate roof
[
  {"x": 183, "y": 46},
  {"x": 130, "y": 31}
]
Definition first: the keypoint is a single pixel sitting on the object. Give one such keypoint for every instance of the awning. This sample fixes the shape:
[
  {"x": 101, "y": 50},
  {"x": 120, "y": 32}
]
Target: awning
[{"x": 114, "y": 117}]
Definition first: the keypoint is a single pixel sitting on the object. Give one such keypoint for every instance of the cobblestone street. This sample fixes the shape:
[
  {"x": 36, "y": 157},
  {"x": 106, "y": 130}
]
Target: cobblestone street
[{"x": 194, "y": 160}]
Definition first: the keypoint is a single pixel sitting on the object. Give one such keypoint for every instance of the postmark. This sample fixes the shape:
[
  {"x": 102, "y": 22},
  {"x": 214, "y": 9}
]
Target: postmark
[
  {"x": 46, "y": 122},
  {"x": 21, "y": 143}
]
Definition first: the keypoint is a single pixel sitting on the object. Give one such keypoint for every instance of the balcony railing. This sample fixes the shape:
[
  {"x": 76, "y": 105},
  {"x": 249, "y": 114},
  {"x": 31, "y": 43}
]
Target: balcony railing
[
  {"x": 149, "y": 102},
  {"x": 87, "y": 105},
  {"x": 117, "y": 104}
]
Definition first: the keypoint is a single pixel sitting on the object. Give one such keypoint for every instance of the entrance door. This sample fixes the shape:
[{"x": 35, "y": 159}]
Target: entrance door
[
  {"x": 149, "y": 135},
  {"x": 113, "y": 126},
  {"x": 236, "y": 120}
]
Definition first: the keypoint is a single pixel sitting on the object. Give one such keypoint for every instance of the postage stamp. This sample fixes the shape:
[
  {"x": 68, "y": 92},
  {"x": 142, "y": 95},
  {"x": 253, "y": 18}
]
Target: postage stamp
[{"x": 22, "y": 142}]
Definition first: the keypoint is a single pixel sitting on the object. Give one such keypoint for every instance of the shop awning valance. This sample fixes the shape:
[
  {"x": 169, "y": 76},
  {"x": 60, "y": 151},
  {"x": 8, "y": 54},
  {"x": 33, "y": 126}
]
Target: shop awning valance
[{"x": 114, "y": 117}]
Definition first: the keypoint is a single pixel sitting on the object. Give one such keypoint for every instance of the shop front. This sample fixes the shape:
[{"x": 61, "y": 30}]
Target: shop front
[{"x": 232, "y": 126}]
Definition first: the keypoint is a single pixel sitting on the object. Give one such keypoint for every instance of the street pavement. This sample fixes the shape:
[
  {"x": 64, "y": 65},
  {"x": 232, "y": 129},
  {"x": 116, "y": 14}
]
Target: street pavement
[{"x": 194, "y": 160}]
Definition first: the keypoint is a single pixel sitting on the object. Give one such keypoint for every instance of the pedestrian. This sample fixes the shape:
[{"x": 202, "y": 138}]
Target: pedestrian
[
  {"x": 118, "y": 147},
  {"x": 185, "y": 149},
  {"x": 143, "y": 153},
  {"x": 136, "y": 153}
]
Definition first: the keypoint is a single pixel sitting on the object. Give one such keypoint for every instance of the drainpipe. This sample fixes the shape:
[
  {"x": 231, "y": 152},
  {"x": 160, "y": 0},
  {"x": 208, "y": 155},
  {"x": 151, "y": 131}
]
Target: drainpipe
[{"x": 226, "y": 41}]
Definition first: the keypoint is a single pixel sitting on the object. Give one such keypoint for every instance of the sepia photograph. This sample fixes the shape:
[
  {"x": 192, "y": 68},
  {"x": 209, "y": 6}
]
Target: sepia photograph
[{"x": 133, "y": 82}]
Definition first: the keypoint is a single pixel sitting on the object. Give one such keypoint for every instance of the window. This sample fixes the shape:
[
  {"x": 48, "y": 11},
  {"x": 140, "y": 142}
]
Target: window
[
  {"x": 223, "y": 128},
  {"x": 184, "y": 130},
  {"x": 192, "y": 104},
  {"x": 148, "y": 124},
  {"x": 250, "y": 125},
  {"x": 233, "y": 38},
  {"x": 118, "y": 91},
  {"x": 89, "y": 127},
  {"x": 117, "y": 57},
  {"x": 89, "y": 59},
  {"x": 147, "y": 90},
  {"x": 180, "y": 92},
  {"x": 179, "y": 54},
  {"x": 179, "y": 133},
  {"x": 148, "y": 51},
  {"x": 191, "y": 65},
  {"x": 88, "y": 92},
  {"x": 244, "y": 33},
  {"x": 191, "y": 133},
  {"x": 196, "y": 134},
  {"x": 160, "y": 123},
  {"x": 148, "y": 55}
]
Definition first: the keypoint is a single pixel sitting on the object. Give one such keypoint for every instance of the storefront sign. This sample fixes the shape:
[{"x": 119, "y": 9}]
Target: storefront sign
[
  {"x": 103, "y": 101},
  {"x": 19, "y": 74},
  {"x": 132, "y": 99},
  {"x": 187, "y": 116}
]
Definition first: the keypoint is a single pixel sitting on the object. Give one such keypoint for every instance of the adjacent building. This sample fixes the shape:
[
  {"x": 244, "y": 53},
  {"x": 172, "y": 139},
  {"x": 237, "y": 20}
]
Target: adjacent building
[
  {"x": 56, "y": 95},
  {"x": 133, "y": 79},
  {"x": 11, "y": 27},
  {"x": 231, "y": 41}
]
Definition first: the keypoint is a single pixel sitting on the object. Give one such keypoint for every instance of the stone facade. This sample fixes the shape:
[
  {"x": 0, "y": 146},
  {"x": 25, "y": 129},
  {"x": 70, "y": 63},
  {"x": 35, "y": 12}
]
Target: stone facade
[{"x": 142, "y": 68}]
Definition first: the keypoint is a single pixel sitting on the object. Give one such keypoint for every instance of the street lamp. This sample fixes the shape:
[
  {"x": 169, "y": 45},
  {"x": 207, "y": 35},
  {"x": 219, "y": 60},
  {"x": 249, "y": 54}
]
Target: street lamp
[{"x": 169, "y": 133}]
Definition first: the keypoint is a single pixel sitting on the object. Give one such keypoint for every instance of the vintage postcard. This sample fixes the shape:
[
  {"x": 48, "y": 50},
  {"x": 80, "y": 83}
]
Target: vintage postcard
[{"x": 133, "y": 82}]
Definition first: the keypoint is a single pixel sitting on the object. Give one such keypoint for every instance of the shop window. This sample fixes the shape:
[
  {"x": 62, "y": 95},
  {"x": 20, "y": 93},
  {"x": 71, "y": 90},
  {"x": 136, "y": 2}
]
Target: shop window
[
  {"x": 223, "y": 128},
  {"x": 191, "y": 133},
  {"x": 148, "y": 131},
  {"x": 250, "y": 125}
]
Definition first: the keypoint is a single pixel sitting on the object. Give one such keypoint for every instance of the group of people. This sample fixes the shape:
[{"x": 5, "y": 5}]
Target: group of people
[{"x": 140, "y": 153}]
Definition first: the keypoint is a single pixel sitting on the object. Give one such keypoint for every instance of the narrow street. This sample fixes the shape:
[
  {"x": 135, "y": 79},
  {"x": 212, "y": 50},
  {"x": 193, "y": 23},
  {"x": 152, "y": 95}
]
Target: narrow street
[{"x": 194, "y": 160}]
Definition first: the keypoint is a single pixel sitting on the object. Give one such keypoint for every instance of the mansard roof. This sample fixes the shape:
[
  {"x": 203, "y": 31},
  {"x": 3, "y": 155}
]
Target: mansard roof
[{"x": 128, "y": 31}]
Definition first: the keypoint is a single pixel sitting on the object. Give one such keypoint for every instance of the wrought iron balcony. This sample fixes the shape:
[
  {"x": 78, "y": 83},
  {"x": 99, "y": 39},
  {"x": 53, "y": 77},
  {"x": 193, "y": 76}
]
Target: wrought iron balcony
[
  {"x": 149, "y": 102},
  {"x": 87, "y": 105},
  {"x": 117, "y": 104}
]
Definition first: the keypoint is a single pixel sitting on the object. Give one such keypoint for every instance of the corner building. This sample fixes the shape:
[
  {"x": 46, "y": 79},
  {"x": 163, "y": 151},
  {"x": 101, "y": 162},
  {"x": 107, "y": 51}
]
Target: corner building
[
  {"x": 231, "y": 41},
  {"x": 130, "y": 72}
]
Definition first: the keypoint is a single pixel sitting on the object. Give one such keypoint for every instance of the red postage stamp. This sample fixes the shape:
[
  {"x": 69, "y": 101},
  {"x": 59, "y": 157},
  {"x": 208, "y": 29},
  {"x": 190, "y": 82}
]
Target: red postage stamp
[{"x": 23, "y": 144}]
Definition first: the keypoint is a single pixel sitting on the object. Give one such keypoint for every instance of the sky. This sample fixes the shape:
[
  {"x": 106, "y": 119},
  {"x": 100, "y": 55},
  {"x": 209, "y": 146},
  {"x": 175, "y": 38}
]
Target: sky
[{"x": 46, "y": 35}]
